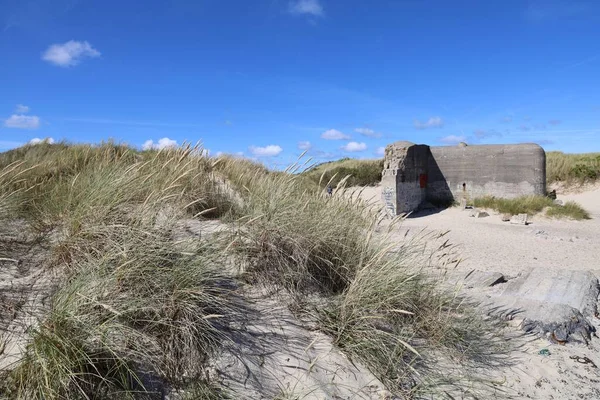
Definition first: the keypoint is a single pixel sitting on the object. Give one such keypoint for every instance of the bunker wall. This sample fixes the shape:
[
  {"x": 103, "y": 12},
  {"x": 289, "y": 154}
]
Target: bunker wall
[
  {"x": 404, "y": 179},
  {"x": 506, "y": 171}
]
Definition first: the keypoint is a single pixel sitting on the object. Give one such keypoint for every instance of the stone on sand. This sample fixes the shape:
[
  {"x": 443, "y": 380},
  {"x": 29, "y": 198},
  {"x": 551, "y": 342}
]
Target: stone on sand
[{"x": 520, "y": 219}]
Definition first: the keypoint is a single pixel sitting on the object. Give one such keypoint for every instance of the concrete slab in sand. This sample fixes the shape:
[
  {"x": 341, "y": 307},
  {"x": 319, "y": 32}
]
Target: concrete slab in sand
[{"x": 557, "y": 303}]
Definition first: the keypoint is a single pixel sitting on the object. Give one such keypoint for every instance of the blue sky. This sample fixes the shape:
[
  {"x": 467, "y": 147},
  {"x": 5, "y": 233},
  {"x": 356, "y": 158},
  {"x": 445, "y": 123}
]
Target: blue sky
[{"x": 269, "y": 78}]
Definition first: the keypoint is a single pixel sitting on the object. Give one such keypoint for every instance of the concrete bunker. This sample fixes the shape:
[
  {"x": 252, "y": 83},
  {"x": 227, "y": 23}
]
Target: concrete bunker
[{"x": 416, "y": 173}]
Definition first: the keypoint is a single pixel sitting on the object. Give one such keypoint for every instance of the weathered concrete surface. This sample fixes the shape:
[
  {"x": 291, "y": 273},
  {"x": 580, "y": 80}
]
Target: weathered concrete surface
[
  {"x": 405, "y": 168},
  {"x": 492, "y": 170},
  {"x": 482, "y": 279},
  {"x": 416, "y": 173},
  {"x": 556, "y": 303}
]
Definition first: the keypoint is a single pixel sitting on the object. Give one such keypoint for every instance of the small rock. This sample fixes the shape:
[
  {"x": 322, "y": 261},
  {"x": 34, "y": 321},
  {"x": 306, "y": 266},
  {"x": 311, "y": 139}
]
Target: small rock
[
  {"x": 473, "y": 212},
  {"x": 482, "y": 214},
  {"x": 506, "y": 217},
  {"x": 558, "y": 202},
  {"x": 521, "y": 219}
]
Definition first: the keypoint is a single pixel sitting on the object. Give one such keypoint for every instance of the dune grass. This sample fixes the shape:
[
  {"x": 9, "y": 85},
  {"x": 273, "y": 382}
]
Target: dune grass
[
  {"x": 134, "y": 307},
  {"x": 396, "y": 320},
  {"x": 532, "y": 205},
  {"x": 569, "y": 210},
  {"x": 572, "y": 168},
  {"x": 130, "y": 300},
  {"x": 381, "y": 308},
  {"x": 353, "y": 172}
]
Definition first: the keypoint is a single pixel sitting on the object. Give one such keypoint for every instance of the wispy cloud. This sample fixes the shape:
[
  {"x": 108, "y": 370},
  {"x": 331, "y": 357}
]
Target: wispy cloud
[
  {"x": 380, "y": 151},
  {"x": 453, "y": 139},
  {"x": 555, "y": 122},
  {"x": 544, "y": 142},
  {"x": 304, "y": 145},
  {"x": 18, "y": 121},
  {"x": 483, "y": 134},
  {"x": 354, "y": 147},
  {"x": 70, "y": 53},
  {"x": 506, "y": 119},
  {"x": 21, "y": 109},
  {"x": 433, "y": 122},
  {"x": 334, "y": 134},
  {"x": 525, "y": 128},
  {"x": 161, "y": 144},
  {"x": 267, "y": 151},
  {"x": 306, "y": 7},
  {"x": 35, "y": 141},
  {"x": 368, "y": 132}
]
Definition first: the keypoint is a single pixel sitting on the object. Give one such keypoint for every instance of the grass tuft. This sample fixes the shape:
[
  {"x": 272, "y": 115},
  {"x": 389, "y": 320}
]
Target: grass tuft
[
  {"x": 532, "y": 205},
  {"x": 569, "y": 210}
]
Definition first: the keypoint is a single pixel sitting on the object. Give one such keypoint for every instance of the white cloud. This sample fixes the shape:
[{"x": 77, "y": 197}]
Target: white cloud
[
  {"x": 267, "y": 151},
  {"x": 70, "y": 53},
  {"x": 35, "y": 141},
  {"x": 20, "y": 121},
  {"x": 334, "y": 134},
  {"x": 453, "y": 139},
  {"x": 380, "y": 151},
  {"x": 310, "y": 7},
  {"x": 354, "y": 146},
  {"x": 433, "y": 122},
  {"x": 163, "y": 143},
  {"x": 21, "y": 109},
  {"x": 305, "y": 145},
  {"x": 368, "y": 132}
]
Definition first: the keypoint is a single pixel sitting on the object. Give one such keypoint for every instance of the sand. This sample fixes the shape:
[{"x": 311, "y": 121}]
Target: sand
[
  {"x": 490, "y": 245},
  {"x": 299, "y": 362}
]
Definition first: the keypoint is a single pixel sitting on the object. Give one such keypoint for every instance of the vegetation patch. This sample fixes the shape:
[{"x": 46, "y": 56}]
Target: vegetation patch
[
  {"x": 139, "y": 310},
  {"x": 354, "y": 172},
  {"x": 572, "y": 168},
  {"x": 532, "y": 205}
]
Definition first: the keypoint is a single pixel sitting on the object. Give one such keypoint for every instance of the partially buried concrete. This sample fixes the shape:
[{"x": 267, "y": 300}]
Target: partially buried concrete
[{"x": 557, "y": 304}]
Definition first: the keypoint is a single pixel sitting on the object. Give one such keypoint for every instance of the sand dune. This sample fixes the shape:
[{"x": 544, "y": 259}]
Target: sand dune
[{"x": 547, "y": 245}]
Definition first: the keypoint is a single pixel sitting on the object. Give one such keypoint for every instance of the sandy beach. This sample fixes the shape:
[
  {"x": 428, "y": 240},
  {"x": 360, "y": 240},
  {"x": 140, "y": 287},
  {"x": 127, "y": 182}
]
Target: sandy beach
[{"x": 490, "y": 245}]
